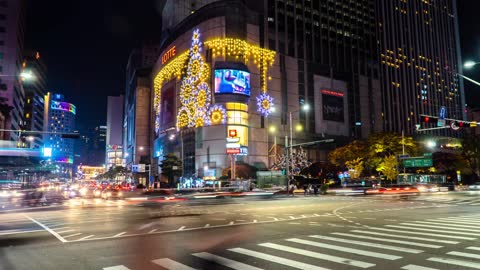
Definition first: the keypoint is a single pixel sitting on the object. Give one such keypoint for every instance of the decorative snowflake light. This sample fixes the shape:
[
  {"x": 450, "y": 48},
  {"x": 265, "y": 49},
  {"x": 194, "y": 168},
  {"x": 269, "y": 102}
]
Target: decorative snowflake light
[
  {"x": 264, "y": 104},
  {"x": 217, "y": 115}
]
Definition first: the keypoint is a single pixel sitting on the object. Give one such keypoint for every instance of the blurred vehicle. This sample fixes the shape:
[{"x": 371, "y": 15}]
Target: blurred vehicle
[
  {"x": 90, "y": 192},
  {"x": 394, "y": 190},
  {"x": 427, "y": 187},
  {"x": 447, "y": 186},
  {"x": 70, "y": 193},
  {"x": 108, "y": 194},
  {"x": 475, "y": 186}
]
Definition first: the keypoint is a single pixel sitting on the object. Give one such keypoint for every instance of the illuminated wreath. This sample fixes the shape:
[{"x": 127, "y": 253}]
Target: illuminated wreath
[
  {"x": 183, "y": 118},
  {"x": 264, "y": 104},
  {"x": 203, "y": 98},
  {"x": 217, "y": 115},
  {"x": 186, "y": 91}
]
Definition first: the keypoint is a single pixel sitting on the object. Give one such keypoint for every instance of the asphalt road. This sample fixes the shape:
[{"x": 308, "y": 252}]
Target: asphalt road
[{"x": 427, "y": 232}]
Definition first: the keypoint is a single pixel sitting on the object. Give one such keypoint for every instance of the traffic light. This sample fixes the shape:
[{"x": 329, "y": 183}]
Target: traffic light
[{"x": 429, "y": 119}]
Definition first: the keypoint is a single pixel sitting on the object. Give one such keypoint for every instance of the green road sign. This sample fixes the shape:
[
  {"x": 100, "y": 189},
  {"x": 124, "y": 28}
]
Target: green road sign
[
  {"x": 417, "y": 162},
  {"x": 427, "y": 154}
]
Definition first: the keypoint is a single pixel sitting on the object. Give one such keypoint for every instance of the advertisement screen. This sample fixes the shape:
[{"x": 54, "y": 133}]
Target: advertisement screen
[
  {"x": 167, "y": 108},
  {"x": 232, "y": 81},
  {"x": 333, "y": 106}
]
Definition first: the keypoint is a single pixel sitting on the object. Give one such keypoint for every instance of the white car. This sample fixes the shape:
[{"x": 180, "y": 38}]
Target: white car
[{"x": 475, "y": 186}]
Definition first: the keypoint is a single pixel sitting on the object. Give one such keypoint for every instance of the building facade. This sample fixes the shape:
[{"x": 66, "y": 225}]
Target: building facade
[
  {"x": 114, "y": 149},
  {"x": 35, "y": 91},
  {"x": 60, "y": 119},
  {"x": 284, "y": 55},
  {"x": 137, "y": 112},
  {"x": 420, "y": 58},
  {"x": 12, "y": 96},
  {"x": 98, "y": 146}
]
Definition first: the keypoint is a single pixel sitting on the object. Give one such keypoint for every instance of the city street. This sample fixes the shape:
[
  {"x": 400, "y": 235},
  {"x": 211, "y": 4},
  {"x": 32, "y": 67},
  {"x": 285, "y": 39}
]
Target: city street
[{"x": 437, "y": 231}]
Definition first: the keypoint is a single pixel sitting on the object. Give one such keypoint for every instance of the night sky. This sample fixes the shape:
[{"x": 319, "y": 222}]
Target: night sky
[{"x": 85, "y": 45}]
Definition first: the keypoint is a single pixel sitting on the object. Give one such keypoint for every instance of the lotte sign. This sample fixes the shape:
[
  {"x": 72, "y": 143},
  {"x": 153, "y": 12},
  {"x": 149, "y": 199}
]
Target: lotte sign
[{"x": 168, "y": 55}]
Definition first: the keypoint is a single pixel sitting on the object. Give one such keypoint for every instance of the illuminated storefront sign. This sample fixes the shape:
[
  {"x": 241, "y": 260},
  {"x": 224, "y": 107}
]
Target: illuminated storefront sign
[
  {"x": 332, "y": 106},
  {"x": 114, "y": 147},
  {"x": 169, "y": 54},
  {"x": 233, "y": 151},
  {"x": 332, "y": 93},
  {"x": 63, "y": 106}
]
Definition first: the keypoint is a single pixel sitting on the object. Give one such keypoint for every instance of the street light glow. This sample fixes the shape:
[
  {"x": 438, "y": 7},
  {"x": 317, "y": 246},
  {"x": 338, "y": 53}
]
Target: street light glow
[
  {"x": 299, "y": 127},
  {"x": 431, "y": 144},
  {"x": 272, "y": 129},
  {"x": 141, "y": 148},
  {"x": 469, "y": 64},
  {"x": 306, "y": 107},
  {"x": 27, "y": 75}
]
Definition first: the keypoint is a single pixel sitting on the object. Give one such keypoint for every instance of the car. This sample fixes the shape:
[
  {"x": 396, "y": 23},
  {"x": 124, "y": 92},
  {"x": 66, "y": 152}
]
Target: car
[
  {"x": 427, "y": 187},
  {"x": 394, "y": 190},
  {"x": 108, "y": 194},
  {"x": 475, "y": 186}
]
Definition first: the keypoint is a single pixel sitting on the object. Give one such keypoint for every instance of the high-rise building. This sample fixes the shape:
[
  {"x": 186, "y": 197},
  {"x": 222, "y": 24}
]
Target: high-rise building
[
  {"x": 258, "y": 55},
  {"x": 35, "y": 91},
  {"x": 420, "y": 58},
  {"x": 60, "y": 119},
  {"x": 137, "y": 110},
  {"x": 99, "y": 144},
  {"x": 114, "y": 149},
  {"x": 12, "y": 96}
]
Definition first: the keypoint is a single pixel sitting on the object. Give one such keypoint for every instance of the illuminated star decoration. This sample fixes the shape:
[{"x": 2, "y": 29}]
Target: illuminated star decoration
[
  {"x": 217, "y": 115},
  {"x": 195, "y": 94},
  {"x": 264, "y": 104}
]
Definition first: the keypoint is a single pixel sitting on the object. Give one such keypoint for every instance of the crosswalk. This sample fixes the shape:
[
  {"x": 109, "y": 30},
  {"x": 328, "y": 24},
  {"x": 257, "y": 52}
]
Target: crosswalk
[
  {"x": 392, "y": 246},
  {"x": 472, "y": 201}
]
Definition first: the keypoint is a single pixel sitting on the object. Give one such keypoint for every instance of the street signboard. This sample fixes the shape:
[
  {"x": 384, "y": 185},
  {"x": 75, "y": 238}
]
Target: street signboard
[
  {"x": 441, "y": 123},
  {"x": 233, "y": 151},
  {"x": 233, "y": 140},
  {"x": 443, "y": 112},
  {"x": 233, "y": 145},
  {"x": 138, "y": 168},
  {"x": 417, "y": 162},
  {"x": 427, "y": 154}
]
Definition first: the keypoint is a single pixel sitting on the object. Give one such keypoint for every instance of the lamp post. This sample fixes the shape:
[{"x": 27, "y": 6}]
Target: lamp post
[{"x": 289, "y": 156}]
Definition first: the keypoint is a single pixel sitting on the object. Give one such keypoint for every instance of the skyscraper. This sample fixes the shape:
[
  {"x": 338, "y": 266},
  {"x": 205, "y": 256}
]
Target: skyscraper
[
  {"x": 35, "y": 91},
  {"x": 61, "y": 121},
  {"x": 12, "y": 25},
  {"x": 114, "y": 155},
  {"x": 420, "y": 57}
]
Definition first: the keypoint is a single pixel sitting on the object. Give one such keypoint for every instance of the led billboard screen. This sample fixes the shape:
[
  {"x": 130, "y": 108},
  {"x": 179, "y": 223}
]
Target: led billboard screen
[{"x": 232, "y": 81}]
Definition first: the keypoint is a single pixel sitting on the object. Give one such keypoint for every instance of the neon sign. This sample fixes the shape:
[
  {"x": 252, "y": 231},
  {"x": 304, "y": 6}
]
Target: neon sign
[
  {"x": 63, "y": 106},
  {"x": 332, "y": 93},
  {"x": 169, "y": 54}
]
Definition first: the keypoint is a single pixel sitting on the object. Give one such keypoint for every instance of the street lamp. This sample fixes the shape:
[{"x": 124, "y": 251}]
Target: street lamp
[
  {"x": 431, "y": 144},
  {"x": 25, "y": 75},
  {"x": 305, "y": 108},
  {"x": 470, "y": 64}
]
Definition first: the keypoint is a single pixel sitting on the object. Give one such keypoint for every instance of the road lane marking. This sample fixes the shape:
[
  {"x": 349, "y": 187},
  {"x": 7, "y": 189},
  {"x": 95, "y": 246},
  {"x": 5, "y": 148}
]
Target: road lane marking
[
  {"x": 389, "y": 240},
  {"x": 473, "y": 248},
  {"x": 407, "y": 237},
  {"x": 443, "y": 223},
  {"x": 224, "y": 261},
  {"x": 58, "y": 236},
  {"x": 206, "y": 225},
  {"x": 119, "y": 234},
  {"x": 71, "y": 235},
  {"x": 10, "y": 232},
  {"x": 86, "y": 237},
  {"x": 455, "y": 262},
  {"x": 416, "y": 267},
  {"x": 471, "y": 221},
  {"x": 430, "y": 230},
  {"x": 276, "y": 259},
  {"x": 117, "y": 267},
  {"x": 464, "y": 254},
  {"x": 456, "y": 222},
  {"x": 171, "y": 264},
  {"x": 439, "y": 227},
  {"x": 317, "y": 255},
  {"x": 424, "y": 234},
  {"x": 345, "y": 249},
  {"x": 152, "y": 231},
  {"x": 66, "y": 231},
  {"x": 368, "y": 244},
  {"x": 231, "y": 223},
  {"x": 181, "y": 228}
]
